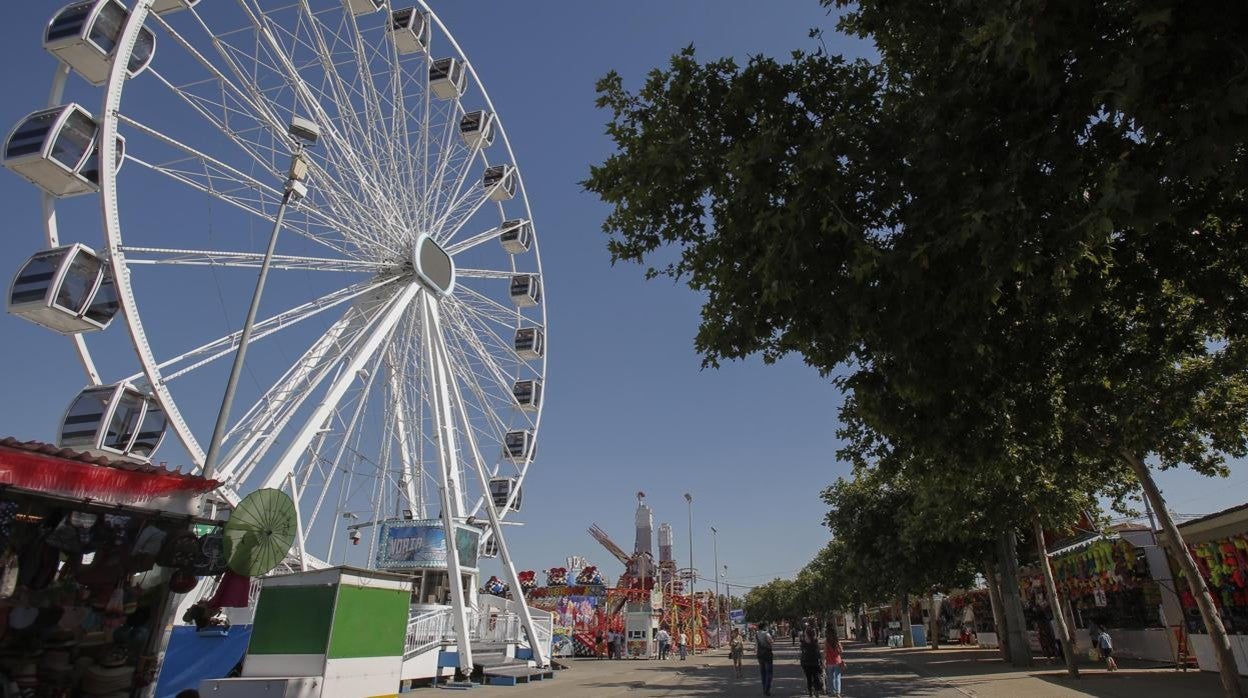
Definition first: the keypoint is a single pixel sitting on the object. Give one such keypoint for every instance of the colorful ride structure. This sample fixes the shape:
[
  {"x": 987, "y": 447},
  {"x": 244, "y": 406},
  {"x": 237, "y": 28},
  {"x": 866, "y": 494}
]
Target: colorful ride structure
[{"x": 644, "y": 598}]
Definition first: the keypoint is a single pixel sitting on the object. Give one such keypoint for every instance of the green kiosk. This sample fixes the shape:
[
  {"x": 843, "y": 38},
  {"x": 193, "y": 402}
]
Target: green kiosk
[{"x": 332, "y": 633}]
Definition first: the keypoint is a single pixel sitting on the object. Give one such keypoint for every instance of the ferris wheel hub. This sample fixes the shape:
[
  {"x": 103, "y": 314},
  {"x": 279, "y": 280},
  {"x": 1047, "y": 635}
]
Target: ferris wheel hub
[{"x": 434, "y": 266}]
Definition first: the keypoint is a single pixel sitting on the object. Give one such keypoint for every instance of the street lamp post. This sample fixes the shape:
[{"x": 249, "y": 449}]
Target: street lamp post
[
  {"x": 693, "y": 646},
  {"x": 715, "y": 571},
  {"x": 303, "y": 133}
]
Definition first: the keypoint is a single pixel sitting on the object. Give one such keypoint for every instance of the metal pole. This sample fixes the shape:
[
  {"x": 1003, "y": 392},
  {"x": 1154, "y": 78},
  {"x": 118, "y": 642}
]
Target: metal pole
[
  {"x": 227, "y": 401},
  {"x": 693, "y": 646},
  {"x": 715, "y": 571}
]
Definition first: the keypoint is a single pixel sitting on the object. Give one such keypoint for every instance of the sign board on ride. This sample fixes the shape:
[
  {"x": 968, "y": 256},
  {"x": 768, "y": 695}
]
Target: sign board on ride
[{"x": 407, "y": 545}]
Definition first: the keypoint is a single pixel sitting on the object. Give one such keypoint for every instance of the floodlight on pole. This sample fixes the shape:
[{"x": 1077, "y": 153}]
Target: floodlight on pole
[
  {"x": 693, "y": 646},
  {"x": 305, "y": 134}
]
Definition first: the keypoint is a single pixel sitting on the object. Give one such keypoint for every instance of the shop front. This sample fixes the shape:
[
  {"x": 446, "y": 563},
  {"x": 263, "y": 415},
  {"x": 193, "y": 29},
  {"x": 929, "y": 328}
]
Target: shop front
[
  {"x": 1109, "y": 581},
  {"x": 1219, "y": 544},
  {"x": 93, "y": 554}
]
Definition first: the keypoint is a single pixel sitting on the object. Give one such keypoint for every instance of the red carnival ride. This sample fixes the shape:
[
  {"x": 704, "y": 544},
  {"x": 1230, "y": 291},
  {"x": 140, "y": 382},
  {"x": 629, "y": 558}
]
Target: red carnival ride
[{"x": 588, "y": 609}]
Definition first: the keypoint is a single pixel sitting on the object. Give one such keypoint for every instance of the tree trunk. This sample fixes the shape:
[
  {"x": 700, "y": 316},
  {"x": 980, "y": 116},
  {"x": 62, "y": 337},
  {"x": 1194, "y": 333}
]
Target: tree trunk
[
  {"x": 1065, "y": 635},
  {"x": 1011, "y": 602},
  {"x": 907, "y": 635},
  {"x": 1196, "y": 583},
  {"x": 933, "y": 623},
  {"x": 998, "y": 610}
]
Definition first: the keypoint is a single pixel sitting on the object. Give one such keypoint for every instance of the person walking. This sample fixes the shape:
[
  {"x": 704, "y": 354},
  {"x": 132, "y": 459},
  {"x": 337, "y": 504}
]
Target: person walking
[
  {"x": 811, "y": 659},
  {"x": 1106, "y": 645},
  {"x": 766, "y": 658},
  {"x": 682, "y": 644},
  {"x": 793, "y": 634},
  {"x": 834, "y": 660},
  {"x": 736, "y": 649},
  {"x": 665, "y": 641}
]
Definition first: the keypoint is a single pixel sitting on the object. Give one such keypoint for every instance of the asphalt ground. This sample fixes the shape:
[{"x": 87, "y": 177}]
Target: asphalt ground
[{"x": 871, "y": 672}]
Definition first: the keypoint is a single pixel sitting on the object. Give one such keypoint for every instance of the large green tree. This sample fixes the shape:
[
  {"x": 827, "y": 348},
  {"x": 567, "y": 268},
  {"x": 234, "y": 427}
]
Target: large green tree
[
  {"x": 1019, "y": 230},
  {"x": 888, "y": 545},
  {"x": 771, "y": 602}
]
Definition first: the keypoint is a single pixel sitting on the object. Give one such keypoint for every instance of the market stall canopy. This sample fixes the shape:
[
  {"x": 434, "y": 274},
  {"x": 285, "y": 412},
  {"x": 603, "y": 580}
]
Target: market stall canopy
[{"x": 48, "y": 469}]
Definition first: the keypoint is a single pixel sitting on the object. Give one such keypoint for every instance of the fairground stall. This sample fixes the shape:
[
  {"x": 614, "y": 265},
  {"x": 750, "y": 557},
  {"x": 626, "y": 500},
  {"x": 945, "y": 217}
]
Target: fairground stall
[
  {"x": 1118, "y": 581},
  {"x": 965, "y": 618},
  {"x": 94, "y": 554},
  {"x": 1219, "y": 542}
]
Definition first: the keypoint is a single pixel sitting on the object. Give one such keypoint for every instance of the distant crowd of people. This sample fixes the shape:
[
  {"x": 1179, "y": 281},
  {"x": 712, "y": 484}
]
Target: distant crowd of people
[{"x": 822, "y": 664}]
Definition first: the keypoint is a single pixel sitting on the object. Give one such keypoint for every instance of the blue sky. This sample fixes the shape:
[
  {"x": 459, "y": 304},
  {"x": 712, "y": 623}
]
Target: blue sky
[{"x": 628, "y": 407}]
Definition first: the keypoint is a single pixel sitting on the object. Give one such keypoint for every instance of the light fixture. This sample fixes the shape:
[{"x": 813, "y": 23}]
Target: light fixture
[{"x": 305, "y": 130}]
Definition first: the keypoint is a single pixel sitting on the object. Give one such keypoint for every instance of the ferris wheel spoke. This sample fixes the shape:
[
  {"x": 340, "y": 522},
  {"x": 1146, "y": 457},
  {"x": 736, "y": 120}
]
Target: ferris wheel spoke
[
  {"x": 338, "y": 146},
  {"x": 473, "y": 348},
  {"x": 263, "y": 153},
  {"x": 484, "y": 273},
  {"x": 460, "y": 211},
  {"x": 398, "y": 415},
  {"x": 376, "y": 335},
  {"x": 353, "y": 431},
  {"x": 468, "y": 243},
  {"x": 228, "y": 184},
  {"x": 454, "y": 162},
  {"x": 187, "y": 362},
  {"x": 260, "y": 427},
  {"x": 233, "y": 100},
  {"x": 244, "y": 260},
  {"x": 508, "y": 317},
  {"x": 343, "y": 96}
]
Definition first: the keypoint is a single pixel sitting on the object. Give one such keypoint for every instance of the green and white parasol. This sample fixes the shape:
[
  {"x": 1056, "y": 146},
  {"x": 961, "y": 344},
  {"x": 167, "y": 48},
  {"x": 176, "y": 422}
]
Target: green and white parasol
[{"x": 259, "y": 532}]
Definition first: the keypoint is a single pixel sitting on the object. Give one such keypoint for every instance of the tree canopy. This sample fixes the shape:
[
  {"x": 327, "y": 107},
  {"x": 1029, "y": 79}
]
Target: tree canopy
[{"x": 1015, "y": 239}]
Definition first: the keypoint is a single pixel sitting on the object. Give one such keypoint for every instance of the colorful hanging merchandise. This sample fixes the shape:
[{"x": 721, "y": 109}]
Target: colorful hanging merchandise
[
  {"x": 1105, "y": 566},
  {"x": 1224, "y": 565}
]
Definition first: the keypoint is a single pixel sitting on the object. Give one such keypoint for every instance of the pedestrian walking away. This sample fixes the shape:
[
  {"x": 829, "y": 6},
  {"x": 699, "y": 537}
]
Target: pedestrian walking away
[
  {"x": 834, "y": 660},
  {"x": 682, "y": 644},
  {"x": 665, "y": 641},
  {"x": 811, "y": 660},
  {"x": 766, "y": 658},
  {"x": 736, "y": 649},
  {"x": 1106, "y": 646}
]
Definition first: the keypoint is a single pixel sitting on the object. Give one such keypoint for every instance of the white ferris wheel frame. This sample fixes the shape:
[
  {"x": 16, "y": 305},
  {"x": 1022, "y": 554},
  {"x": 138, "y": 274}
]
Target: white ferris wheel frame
[{"x": 443, "y": 384}]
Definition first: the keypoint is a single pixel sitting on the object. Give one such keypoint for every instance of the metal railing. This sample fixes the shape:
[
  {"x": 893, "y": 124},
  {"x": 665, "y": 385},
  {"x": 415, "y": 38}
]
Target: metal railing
[
  {"x": 428, "y": 628},
  {"x": 544, "y": 626}
]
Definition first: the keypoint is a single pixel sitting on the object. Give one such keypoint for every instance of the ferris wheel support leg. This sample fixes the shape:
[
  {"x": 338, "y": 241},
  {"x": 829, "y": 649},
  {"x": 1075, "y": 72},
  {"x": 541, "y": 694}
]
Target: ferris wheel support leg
[
  {"x": 526, "y": 618},
  {"x": 365, "y": 351},
  {"x": 405, "y": 451},
  {"x": 303, "y": 551},
  {"x": 512, "y": 576},
  {"x": 440, "y": 379}
]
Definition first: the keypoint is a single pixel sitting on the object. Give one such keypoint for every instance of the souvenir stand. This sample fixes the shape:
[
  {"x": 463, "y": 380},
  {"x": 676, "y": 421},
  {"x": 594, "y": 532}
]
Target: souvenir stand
[
  {"x": 1108, "y": 581},
  {"x": 92, "y": 551},
  {"x": 966, "y": 618},
  {"x": 1219, "y": 543}
]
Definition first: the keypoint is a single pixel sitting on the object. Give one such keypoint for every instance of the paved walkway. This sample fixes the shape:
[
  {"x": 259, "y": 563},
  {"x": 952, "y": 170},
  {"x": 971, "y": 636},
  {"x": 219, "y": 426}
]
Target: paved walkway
[
  {"x": 981, "y": 674},
  {"x": 872, "y": 672}
]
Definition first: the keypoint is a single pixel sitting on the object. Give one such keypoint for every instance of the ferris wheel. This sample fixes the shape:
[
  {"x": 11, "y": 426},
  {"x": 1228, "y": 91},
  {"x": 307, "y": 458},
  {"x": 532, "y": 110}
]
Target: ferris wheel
[{"x": 397, "y": 364}]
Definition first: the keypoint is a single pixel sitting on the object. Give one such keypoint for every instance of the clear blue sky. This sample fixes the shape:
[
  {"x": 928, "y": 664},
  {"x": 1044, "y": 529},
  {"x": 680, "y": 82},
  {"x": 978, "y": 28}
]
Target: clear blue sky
[{"x": 628, "y": 406}]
